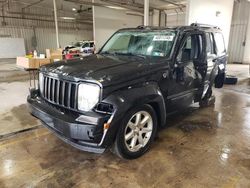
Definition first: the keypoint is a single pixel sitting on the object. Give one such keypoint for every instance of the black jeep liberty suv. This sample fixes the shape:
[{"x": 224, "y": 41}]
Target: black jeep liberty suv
[{"x": 119, "y": 97}]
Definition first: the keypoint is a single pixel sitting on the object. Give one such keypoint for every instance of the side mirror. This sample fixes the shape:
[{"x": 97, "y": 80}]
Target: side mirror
[{"x": 211, "y": 56}]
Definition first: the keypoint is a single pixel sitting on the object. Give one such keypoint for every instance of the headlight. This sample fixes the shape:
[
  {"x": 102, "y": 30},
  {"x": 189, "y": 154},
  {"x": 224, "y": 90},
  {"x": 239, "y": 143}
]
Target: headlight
[
  {"x": 41, "y": 82},
  {"x": 88, "y": 96}
]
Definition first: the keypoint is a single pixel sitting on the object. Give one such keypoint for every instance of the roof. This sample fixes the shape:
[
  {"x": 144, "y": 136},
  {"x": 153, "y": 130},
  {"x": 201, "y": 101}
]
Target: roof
[{"x": 194, "y": 26}]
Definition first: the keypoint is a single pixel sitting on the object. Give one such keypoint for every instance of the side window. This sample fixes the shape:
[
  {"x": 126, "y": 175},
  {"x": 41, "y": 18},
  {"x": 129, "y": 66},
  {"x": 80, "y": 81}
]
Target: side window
[
  {"x": 220, "y": 45},
  {"x": 91, "y": 44},
  {"x": 210, "y": 48},
  {"x": 85, "y": 45},
  {"x": 200, "y": 45},
  {"x": 191, "y": 49},
  {"x": 209, "y": 45}
]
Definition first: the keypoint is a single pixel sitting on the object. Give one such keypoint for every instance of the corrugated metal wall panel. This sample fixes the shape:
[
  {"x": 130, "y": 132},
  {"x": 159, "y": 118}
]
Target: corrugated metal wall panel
[
  {"x": 27, "y": 35},
  {"x": 175, "y": 17},
  {"x": 46, "y": 37},
  {"x": 238, "y": 31},
  {"x": 43, "y": 27}
]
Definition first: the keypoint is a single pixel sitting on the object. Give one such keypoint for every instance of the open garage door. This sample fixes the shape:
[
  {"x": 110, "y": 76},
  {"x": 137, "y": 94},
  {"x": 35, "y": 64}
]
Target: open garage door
[{"x": 238, "y": 33}]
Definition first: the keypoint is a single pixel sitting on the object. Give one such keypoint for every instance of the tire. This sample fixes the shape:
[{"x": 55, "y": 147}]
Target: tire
[
  {"x": 231, "y": 80},
  {"x": 219, "y": 80},
  {"x": 208, "y": 99},
  {"x": 131, "y": 148}
]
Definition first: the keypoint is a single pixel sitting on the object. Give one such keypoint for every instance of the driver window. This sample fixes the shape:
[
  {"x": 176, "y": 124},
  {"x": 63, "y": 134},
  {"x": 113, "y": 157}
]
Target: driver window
[{"x": 191, "y": 49}]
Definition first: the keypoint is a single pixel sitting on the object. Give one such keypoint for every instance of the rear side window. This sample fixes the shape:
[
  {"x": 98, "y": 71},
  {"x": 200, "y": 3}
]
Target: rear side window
[
  {"x": 220, "y": 45},
  {"x": 85, "y": 45},
  {"x": 210, "y": 44}
]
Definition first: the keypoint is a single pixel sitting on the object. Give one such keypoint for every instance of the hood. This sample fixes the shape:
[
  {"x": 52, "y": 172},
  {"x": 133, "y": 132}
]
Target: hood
[
  {"x": 105, "y": 69},
  {"x": 75, "y": 48}
]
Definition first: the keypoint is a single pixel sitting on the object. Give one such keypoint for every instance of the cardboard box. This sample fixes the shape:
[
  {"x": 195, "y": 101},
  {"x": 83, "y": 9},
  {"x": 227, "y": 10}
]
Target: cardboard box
[
  {"x": 28, "y": 63},
  {"x": 56, "y": 58},
  {"x": 31, "y": 63},
  {"x": 50, "y": 53},
  {"x": 43, "y": 61},
  {"x": 54, "y": 54}
]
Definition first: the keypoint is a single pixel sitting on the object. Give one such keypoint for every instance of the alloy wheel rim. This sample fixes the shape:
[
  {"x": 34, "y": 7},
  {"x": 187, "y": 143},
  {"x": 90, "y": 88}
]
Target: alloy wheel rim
[{"x": 138, "y": 131}]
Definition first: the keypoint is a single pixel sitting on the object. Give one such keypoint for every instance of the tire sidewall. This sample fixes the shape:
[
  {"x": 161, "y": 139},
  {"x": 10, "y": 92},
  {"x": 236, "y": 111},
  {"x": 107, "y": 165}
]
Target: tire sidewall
[{"x": 120, "y": 140}]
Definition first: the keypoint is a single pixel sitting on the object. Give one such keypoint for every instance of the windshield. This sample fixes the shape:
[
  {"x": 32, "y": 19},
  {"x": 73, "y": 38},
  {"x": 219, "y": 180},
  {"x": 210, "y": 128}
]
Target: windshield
[
  {"x": 146, "y": 43},
  {"x": 78, "y": 44}
]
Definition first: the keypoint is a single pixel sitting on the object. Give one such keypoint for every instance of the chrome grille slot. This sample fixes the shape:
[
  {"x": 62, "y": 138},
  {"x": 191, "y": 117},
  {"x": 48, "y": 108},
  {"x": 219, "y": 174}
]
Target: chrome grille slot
[{"x": 60, "y": 92}]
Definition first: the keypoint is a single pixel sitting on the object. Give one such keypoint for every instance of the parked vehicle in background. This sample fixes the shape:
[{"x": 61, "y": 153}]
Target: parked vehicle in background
[
  {"x": 120, "y": 97},
  {"x": 68, "y": 47},
  {"x": 87, "y": 47}
]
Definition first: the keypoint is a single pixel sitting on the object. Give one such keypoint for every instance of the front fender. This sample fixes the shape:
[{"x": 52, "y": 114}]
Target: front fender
[{"x": 124, "y": 100}]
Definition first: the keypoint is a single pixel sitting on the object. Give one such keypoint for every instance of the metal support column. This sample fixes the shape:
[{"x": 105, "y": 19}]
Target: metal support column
[
  {"x": 146, "y": 12},
  {"x": 56, "y": 24}
]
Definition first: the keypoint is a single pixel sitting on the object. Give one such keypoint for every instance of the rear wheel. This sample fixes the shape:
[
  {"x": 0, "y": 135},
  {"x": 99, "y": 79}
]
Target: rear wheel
[
  {"x": 219, "y": 80},
  {"x": 136, "y": 133}
]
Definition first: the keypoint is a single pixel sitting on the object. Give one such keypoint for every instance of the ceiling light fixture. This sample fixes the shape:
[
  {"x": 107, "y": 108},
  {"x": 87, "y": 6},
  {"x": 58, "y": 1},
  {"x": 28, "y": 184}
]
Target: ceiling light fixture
[
  {"x": 68, "y": 18},
  {"x": 73, "y": 9},
  {"x": 115, "y": 7}
]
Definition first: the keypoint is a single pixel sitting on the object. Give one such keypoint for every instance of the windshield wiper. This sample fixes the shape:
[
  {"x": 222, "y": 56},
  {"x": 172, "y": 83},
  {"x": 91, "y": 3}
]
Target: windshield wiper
[
  {"x": 106, "y": 52},
  {"x": 140, "y": 55},
  {"x": 125, "y": 54},
  {"x": 131, "y": 54}
]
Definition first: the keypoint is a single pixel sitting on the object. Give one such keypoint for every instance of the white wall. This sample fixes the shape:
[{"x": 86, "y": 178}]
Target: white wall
[
  {"x": 107, "y": 21},
  {"x": 204, "y": 11},
  {"x": 238, "y": 33},
  {"x": 246, "y": 57},
  {"x": 11, "y": 47}
]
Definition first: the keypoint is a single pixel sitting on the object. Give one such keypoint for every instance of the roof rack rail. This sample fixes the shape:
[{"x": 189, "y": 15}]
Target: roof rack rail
[
  {"x": 143, "y": 27},
  {"x": 204, "y": 25},
  {"x": 140, "y": 26}
]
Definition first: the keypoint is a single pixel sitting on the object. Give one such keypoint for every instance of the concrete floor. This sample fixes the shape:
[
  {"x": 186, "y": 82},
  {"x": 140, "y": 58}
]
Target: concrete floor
[{"x": 207, "y": 147}]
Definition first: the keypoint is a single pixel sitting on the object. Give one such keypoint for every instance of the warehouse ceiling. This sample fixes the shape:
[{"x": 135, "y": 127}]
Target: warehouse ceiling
[
  {"x": 85, "y": 5},
  {"x": 42, "y": 10},
  {"x": 61, "y": 4},
  {"x": 134, "y": 4},
  {"x": 79, "y": 11}
]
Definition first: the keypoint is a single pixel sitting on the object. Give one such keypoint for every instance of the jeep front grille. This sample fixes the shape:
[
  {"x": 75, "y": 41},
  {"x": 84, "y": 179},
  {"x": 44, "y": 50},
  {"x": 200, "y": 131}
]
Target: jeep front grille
[{"x": 60, "y": 92}]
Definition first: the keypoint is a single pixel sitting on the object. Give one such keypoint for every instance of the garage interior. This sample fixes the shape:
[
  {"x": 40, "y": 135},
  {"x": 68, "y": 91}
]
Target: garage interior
[{"x": 200, "y": 147}]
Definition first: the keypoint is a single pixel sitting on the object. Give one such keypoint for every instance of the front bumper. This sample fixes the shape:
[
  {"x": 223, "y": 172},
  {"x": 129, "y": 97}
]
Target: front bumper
[{"x": 86, "y": 133}]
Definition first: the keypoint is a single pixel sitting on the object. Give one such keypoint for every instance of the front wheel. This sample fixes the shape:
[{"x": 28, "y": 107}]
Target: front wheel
[{"x": 136, "y": 133}]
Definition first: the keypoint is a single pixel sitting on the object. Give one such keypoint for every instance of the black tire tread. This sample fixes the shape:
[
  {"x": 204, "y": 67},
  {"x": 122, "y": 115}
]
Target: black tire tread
[{"x": 116, "y": 148}]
